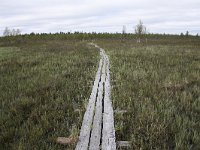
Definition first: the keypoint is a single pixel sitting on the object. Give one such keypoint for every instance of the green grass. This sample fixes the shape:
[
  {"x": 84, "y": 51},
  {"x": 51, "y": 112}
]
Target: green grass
[
  {"x": 45, "y": 85},
  {"x": 7, "y": 52},
  {"x": 42, "y": 86},
  {"x": 159, "y": 86}
]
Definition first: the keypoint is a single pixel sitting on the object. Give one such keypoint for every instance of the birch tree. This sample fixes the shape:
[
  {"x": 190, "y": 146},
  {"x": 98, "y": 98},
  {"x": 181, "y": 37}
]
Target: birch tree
[
  {"x": 140, "y": 30},
  {"x": 6, "y": 32}
]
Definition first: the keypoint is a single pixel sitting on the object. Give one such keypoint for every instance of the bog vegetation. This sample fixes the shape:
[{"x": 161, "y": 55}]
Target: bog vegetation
[
  {"x": 46, "y": 80},
  {"x": 158, "y": 85},
  {"x": 44, "y": 89}
]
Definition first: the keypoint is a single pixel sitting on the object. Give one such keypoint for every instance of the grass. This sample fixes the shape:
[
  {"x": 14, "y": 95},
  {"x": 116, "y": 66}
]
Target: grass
[
  {"x": 45, "y": 84},
  {"x": 7, "y": 52},
  {"x": 159, "y": 86},
  {"x": 44, "y": 87}
]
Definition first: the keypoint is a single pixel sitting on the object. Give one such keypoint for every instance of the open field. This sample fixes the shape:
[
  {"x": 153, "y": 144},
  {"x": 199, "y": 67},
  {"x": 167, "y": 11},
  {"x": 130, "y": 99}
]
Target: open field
[
  {"x": 44, "y": 89},
  {"x": 159, "y": 87},
  {"x": 46, "y": 81}
]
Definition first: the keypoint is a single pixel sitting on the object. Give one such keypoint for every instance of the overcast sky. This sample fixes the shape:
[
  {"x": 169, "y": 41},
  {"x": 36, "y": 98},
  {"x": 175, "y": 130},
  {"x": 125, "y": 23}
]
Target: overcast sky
[{"x": 159, "y": 16}]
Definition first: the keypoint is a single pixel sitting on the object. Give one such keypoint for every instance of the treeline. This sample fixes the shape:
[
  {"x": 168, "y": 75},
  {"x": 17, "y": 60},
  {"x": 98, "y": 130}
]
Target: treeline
[{"x": 33, "y": 37}]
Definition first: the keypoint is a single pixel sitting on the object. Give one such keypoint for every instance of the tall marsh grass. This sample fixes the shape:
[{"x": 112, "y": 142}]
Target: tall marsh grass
[
  {"x": 159, "y": 86},
  {"x": 42, "y": 86}
]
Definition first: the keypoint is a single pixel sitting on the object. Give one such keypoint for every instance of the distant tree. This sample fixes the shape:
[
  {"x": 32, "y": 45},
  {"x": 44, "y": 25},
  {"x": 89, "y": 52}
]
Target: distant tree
[
  {"x": 123, "y": 33},
  {"x": 140, "y": 31},
  {"x": 197, "y": 35},
  {"x": 6, "y": 32},
  {"x": 32, "y": 33},
  {"x": 124, "y": 29},
  {"x": 181, "y": 34},
  {"x": 13, "y": 32},
  {"x": 187, "y": 33},
  {"x": 18, "y": 32}
]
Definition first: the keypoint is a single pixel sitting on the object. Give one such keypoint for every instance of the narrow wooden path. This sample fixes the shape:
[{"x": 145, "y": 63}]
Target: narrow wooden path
[{"x": 97, "y": 131}]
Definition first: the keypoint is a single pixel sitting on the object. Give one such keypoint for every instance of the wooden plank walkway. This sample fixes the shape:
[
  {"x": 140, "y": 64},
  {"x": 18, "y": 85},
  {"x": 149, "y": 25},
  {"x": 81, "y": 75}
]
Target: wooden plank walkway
[{"x": 97, "y": 131}]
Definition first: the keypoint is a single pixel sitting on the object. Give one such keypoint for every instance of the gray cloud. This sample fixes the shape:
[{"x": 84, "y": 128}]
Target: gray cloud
[{"x": 100, "y": 15}]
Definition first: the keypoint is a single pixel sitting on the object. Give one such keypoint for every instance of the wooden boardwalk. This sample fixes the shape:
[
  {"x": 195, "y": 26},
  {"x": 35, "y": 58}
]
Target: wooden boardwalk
[{"x": 97, "y": 131}]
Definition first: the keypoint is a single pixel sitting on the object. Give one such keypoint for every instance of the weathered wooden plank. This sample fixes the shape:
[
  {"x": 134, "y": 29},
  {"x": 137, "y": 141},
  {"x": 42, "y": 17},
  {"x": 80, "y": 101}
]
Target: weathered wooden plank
[
  {"x": 120, "y": 111},
  {"x": 108, "y": 137},
  {"x": 92, "y": 137},
  {"x": 95, "y": 139},
  {"x": 123, "y": 144},
  {"x": 88, "y": 116}
]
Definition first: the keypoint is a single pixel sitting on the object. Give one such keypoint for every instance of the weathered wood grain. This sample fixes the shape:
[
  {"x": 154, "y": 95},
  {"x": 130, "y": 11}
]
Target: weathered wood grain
[
  {"x": 95, "y": 139},
  {"x": 97, "y": 131},
  {"x": 108, "y": 139},
  {"x": 83, "y": 141}
]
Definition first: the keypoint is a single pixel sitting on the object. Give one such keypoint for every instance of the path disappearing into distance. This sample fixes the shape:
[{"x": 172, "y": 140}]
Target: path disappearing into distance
[{"x": 97, "y": 131}]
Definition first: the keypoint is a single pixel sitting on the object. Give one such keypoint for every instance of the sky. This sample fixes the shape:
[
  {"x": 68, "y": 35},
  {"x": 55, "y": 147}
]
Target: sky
[{"x": 44, "y": 16}]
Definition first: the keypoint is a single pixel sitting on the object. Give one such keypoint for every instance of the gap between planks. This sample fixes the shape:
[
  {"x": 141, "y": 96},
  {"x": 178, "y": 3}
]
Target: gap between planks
[{"x": 97, "y": 131}]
